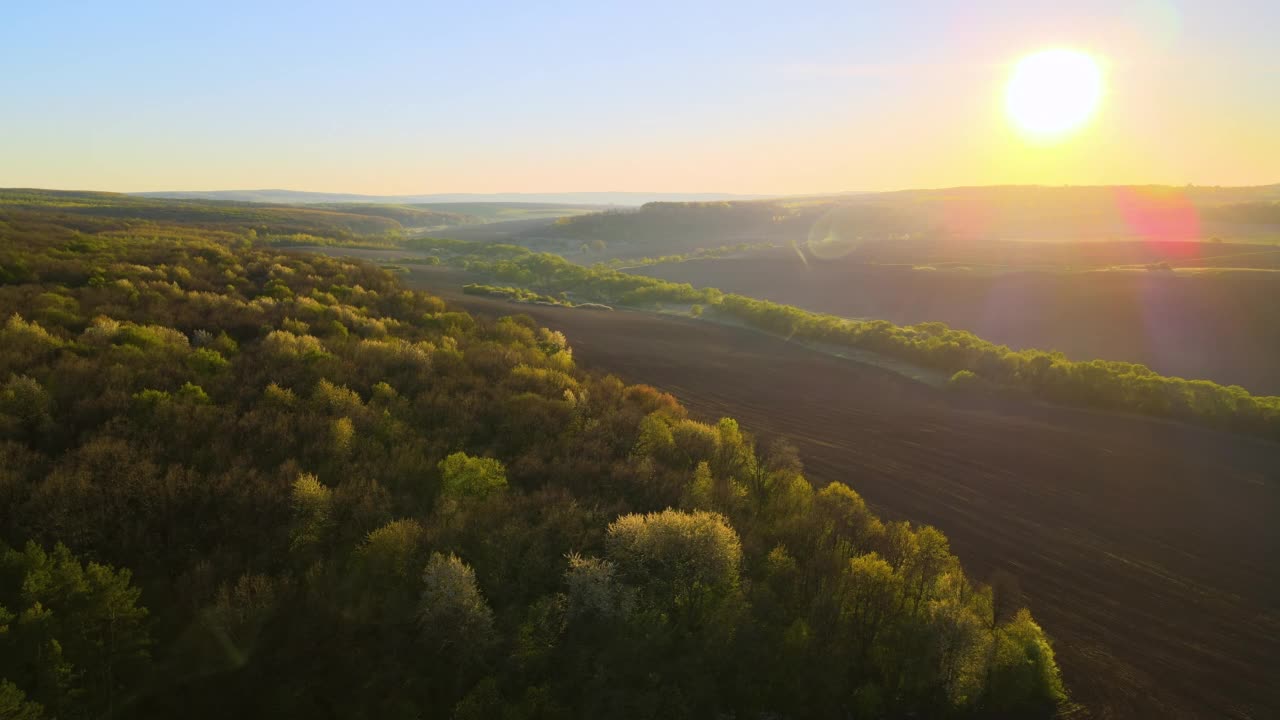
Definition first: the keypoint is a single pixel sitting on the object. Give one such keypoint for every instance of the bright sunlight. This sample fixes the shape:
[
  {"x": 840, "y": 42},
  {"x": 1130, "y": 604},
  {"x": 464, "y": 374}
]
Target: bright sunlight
[{"x": 1053, "y": 93}]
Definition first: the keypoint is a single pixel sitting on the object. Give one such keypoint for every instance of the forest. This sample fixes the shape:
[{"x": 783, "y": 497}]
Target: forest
[{"x": 240, "y": 480}]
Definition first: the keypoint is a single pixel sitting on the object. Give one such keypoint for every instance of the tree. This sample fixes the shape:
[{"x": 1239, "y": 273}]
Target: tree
[
  {"x": 79, "y": 638},
  {"x": 453, "y": 614},
  {"x": 25, "y": 408},
  {"x": 342, "y": 431},
  {"x": 464, "y": 477},
  {"x": 701, "y": 493},
  {"x": 1024, "y": 680},
  {"x": 870, "y": 593},
  {"x": 384, "y": 579},
  {"x": 14, "y": 704},
  {"x": 312, "y": 504},
  {"x": 391, "y": 552},
  {"x": 655, "y": 440},
  {"x": 932, "y": 558},
  {"x": 695, "y": 442},
  {"x": 593, "y": 588},
  {"x": 845, "y": 517},
  {"x": 682, "y": 554},
  {"x": 737, "y": 471}
]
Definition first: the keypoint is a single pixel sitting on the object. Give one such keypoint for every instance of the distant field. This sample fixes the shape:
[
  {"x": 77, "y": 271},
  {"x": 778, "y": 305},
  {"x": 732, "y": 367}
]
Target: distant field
[
  {"x": 1210, "y": 325},
  {"x": 1003, "y": 256},
  {"x": 1146, "y": 547}
]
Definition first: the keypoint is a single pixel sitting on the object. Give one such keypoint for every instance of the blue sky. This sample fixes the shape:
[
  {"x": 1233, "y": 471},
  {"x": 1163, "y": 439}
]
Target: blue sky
[{"x": 733, "y": 97}]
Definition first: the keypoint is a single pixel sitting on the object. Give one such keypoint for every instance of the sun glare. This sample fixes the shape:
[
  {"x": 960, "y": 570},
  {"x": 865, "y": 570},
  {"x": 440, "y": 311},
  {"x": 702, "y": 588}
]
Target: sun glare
[{"x": 1053, "y": 93}]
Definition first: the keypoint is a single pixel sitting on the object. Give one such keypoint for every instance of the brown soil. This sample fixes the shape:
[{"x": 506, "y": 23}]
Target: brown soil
[
  {"x": 1146, "y": 549},
  {"x": 1215, "y": 325}
]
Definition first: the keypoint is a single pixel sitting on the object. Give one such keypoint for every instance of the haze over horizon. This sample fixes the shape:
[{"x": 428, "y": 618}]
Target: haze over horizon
[{"x": 399, "y": 99}]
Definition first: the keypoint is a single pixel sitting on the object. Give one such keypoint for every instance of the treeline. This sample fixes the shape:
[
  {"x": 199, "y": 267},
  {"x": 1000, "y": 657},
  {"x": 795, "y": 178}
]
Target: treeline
[
  {"x": 1049, "y": 375},
  {"x": 1263, "y": 213},
  {"x": 512, "y": 294},
  {"x": 1044, "y": 374},
  {"x": 520, "y": 295},
  {"x": 550, "y": 273},
  {"x": 240, "y": 482}
]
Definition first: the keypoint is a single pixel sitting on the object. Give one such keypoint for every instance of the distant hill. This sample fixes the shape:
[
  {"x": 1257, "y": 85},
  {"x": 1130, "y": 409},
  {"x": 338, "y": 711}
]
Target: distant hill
[
  {"x": 314, "y": 223},
  {"x": 328, "y": 220},
  {"x": 1024, "y": 212},
  {"x": 294, "y": 197}
]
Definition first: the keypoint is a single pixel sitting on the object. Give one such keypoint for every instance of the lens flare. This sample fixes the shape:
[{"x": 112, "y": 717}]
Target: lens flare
[
  {"x": 834, "y": 234},
  {"x": 1163, "y": 217},
  {"x": 1053, "y": 93}
]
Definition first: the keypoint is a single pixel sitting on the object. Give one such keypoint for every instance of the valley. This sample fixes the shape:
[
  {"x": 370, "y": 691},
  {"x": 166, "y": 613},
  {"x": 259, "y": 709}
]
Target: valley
[{"x": 1146, "y": 547}]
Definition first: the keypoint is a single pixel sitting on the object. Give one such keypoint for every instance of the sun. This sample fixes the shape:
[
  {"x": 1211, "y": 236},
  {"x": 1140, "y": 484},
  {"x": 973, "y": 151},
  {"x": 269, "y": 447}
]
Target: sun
[{"x": 1053, "y": 93}]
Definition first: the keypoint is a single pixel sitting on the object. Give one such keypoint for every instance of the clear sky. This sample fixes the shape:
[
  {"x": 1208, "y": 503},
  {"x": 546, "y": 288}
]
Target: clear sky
[{"x": 751, "y": 97}]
